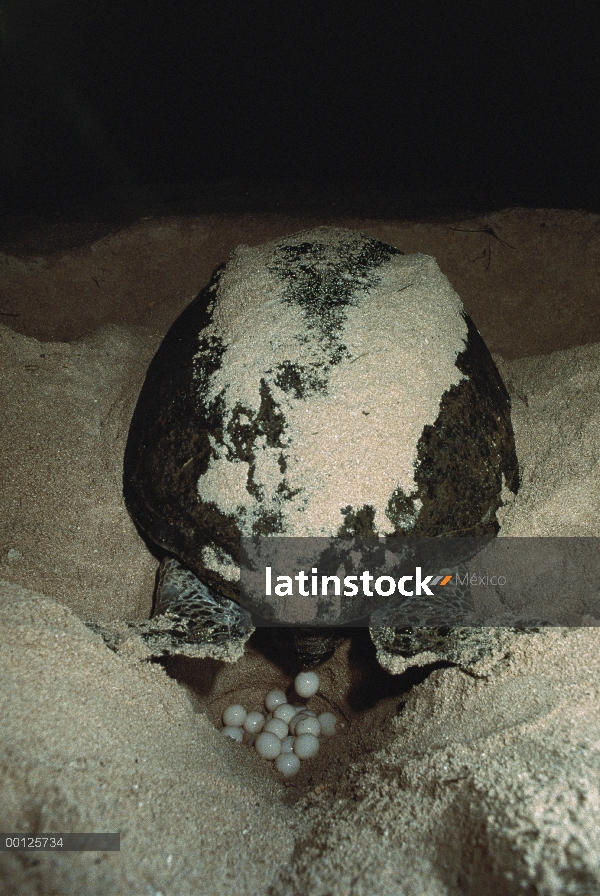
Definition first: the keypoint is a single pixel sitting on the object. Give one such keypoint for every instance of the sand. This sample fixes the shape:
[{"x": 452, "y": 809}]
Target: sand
[{"x": 442, "y": 781}]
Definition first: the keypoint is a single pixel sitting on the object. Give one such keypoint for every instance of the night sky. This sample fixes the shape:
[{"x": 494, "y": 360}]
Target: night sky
[{"x": 461, "y": 102}]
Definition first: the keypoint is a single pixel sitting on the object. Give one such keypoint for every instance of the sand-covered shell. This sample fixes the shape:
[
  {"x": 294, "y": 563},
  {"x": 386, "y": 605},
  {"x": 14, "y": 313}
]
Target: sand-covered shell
[{"x": 322, "y": 384}]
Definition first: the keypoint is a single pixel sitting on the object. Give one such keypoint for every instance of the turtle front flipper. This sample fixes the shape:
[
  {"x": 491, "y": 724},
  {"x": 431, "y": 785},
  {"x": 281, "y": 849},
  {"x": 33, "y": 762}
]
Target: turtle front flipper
[
  {"x": 427, "y": 628},
  {"x": 192, "y": 620}
]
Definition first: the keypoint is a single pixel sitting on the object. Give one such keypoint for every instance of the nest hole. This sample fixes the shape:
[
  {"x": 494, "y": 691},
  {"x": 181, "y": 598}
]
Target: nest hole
[{"x": 363, "y": 696}]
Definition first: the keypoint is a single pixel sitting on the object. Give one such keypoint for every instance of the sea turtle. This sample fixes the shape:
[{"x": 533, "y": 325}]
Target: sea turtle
[{"x": 323, "y": 384}]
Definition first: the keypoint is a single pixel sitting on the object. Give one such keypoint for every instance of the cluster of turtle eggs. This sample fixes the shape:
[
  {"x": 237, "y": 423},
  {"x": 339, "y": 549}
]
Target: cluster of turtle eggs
[{"x": 288, "y": 733}]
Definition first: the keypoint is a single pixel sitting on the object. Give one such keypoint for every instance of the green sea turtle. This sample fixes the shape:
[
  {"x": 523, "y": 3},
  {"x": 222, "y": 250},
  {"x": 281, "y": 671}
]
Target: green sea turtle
[{"x": 322, "y": 384}]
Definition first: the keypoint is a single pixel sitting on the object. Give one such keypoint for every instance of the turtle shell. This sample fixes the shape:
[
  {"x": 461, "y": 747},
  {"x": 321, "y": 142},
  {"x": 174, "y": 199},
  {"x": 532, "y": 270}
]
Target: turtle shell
[{"x": 323, "y": 384}]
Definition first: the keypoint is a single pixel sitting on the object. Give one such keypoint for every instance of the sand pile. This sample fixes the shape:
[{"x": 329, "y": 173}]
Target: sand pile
[
  {"x": 463, "y": 784},
  {"x": 489, "y": 785},
  {"x": 93, "y": 742},
  {"x": 556, "y": 400}
]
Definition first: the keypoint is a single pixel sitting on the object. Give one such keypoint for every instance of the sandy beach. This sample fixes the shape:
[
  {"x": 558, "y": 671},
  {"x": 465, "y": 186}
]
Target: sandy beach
[{"x": 442, "y": 781}]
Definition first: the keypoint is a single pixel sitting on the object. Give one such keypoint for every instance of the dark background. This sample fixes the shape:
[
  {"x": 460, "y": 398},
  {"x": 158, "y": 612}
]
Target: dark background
[{"x": 381, "y": 109}]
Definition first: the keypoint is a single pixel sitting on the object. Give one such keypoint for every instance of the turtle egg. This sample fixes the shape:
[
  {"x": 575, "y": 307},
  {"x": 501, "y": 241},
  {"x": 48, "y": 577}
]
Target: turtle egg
[
  {"x": 289, "y": 733},
  {"x": 268, "y": 745},
  {"x": 284, "y": 712},
  {"x": 304, "y": 714},
  {"x": 307, "y": 725},
  {"x": 297, "y": 718},
  {"x": 306, "y": 746},
  {"x": 328, "y": 721},
  {"x": 233, "y": 732},
  {"x": 306, "y": 684},
  {"x": 274, "y": 699},
  {"x": 254, "y": 722},
  {"x": 278, "y": 727},
  {"x": 288, "y": 764},
  {"x": 287, "y": 744},
  {"x": 234, "y": 715}
]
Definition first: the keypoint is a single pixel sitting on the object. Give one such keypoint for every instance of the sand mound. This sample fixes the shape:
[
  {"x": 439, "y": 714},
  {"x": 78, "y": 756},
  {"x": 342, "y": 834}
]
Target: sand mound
[
  {"x": 489, "y": 785},
  {"x": 91, "y": 742}
]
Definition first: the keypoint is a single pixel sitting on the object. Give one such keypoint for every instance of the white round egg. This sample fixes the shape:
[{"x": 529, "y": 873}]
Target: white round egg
[
  {"x": 297, "y": 718},
  {"x": 284, "y": 712},
  {"x": 254, "y": 722},
  {"x": 288, "y": 764},
  {"x": 234, "y": 715},
  {"x": 274, "y": 699},
  {"x": 278, "y": 727},
  {"x": 306, "y": 684},
  {"x": 268, "y": 745},
  {"x": 307, "y": 725},
  {"x": 306, "y": 746}
]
